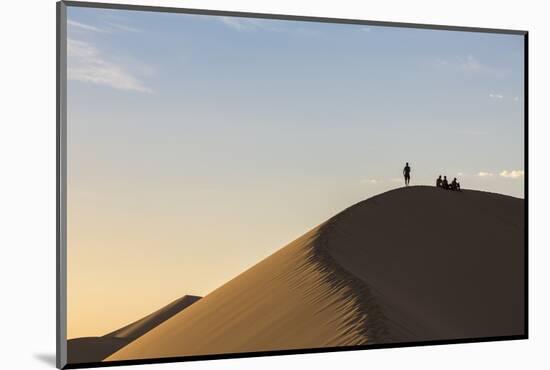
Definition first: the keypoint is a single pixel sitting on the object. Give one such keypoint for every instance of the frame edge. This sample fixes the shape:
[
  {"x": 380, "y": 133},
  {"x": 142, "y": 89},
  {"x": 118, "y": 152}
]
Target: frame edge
[{"x": 61, "y": 181}]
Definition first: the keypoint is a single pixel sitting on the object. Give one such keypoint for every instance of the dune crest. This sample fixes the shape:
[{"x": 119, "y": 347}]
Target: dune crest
[
  {"x": 142, "y": 326},
  {"x": 406, "y": 265}
]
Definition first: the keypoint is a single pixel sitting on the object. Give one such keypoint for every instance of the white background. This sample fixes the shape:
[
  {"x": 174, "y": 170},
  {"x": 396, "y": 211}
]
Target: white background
[{"x": 27, "y": 184}]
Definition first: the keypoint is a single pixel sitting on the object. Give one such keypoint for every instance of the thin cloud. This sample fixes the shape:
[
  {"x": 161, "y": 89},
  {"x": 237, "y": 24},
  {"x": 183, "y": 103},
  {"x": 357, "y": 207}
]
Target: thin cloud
[
  {"x": 123, "y": 27},
  {"x": 496, "y": 96},
  {"x": 441, "y": 62},
  {"x": 471, "y": 64},
  {"x": 234, "y": 23},
  {"x": 514, "y": 174},
  {"x": 84, "y": 26},
  {"x": 87, "y": 64},
  {"x": 485, "y": 174},
  {"x": 372, "y": 181},
  {"x": 107, "y": 27},
  {"x": 250, "y": 24},
  {"x": 365, "y": 29},
  {"x": 368, "y": 181}
]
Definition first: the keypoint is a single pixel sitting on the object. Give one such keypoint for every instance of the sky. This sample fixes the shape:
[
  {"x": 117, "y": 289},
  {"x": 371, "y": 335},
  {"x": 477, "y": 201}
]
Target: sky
[{"x": 199, "y": 145}]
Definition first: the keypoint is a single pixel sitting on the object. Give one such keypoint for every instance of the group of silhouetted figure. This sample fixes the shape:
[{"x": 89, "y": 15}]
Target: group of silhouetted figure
[
  {"x": 444, "y": 184},
  {"x": 440, "y": 182}
]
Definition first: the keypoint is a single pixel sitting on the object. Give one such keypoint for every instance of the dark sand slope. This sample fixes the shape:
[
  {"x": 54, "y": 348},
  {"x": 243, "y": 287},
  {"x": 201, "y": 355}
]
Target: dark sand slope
[
  {"x": 96, "y": 349},
  {"x": 411, "y": 264}
]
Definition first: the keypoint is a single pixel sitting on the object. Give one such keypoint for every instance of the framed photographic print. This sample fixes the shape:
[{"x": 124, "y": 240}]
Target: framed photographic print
[{"x": 236, "y": 184}]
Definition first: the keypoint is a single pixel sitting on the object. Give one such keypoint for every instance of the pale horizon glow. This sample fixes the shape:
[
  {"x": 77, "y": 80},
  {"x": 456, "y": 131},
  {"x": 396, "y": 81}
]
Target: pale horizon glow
[{"x": 199, "y": 145}]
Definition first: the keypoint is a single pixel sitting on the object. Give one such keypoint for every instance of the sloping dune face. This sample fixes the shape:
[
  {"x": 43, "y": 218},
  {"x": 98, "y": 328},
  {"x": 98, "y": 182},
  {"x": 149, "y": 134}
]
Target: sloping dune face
[
  {"x": 293, "y": 299},
  {"x": 440, "y": 264},
  {"x": 410, "y": 264}
]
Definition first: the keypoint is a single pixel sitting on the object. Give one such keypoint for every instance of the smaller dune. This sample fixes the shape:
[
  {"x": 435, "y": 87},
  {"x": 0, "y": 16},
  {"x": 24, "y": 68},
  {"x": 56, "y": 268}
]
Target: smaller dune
[
  {"x": 140, "y": 327},
  {"x": 96, "y": 349}
]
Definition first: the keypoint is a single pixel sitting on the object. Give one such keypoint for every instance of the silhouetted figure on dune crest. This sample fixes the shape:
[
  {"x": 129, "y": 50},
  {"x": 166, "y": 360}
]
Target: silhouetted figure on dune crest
[
  {"x": 455, "y": 185},
  {"x": 444, "y": 184},
  {"x": 407, "y": 174}
]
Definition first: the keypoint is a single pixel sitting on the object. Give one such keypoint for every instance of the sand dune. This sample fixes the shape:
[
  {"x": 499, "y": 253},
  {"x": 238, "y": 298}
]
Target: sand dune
[
  {"x": 140, "y": 327},
  {"x": 411, "y": 264},
  {"x": 95, "y": 349}
]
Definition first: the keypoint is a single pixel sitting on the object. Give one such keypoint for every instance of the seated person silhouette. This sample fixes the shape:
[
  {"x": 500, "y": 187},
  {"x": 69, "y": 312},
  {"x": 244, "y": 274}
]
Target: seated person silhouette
[
  {"x": 445, "y": 183},
  {"x": 454, "y": 185},
  {"x": 439, "y": 182}
]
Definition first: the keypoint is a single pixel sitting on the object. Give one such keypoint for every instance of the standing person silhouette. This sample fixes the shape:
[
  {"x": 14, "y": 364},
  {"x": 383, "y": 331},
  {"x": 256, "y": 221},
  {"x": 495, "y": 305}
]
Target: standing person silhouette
[{"x": 407, "y": 174}]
